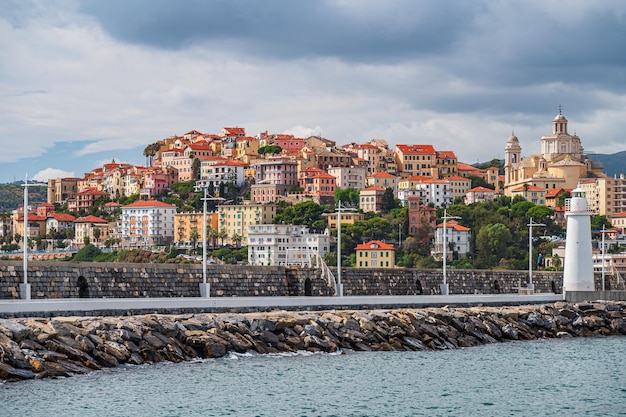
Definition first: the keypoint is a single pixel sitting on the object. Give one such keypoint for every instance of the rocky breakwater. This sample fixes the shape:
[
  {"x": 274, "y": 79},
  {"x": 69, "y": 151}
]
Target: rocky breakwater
[{"x": 65, "y": 346}]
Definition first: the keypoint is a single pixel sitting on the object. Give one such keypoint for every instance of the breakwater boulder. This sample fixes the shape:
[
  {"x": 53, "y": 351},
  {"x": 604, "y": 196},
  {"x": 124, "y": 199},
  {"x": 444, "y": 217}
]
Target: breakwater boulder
[{"x": 65, "y": 346}]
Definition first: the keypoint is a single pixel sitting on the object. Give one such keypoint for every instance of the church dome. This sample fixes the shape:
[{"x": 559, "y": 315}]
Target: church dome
[
  {"x": 559, "y": 117},
  {"x": 512, "y": 139}
]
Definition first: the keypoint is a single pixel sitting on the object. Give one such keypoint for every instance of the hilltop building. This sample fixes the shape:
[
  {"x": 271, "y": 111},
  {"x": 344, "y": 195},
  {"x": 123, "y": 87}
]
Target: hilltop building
[{"x": 560, "y": 165}]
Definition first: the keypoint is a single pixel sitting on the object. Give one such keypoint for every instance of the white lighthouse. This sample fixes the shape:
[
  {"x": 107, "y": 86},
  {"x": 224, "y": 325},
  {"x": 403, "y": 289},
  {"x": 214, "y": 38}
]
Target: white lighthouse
[{"x": 578, "y": 268}]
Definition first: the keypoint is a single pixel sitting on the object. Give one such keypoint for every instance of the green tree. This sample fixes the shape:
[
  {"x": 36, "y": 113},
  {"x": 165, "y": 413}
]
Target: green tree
[
  {"x": 86, "y": 254},
  {"x": 150, "y": 152},
  {"x": 96, "y": 234},
  {"x": 388, "y": 200},
  {"x": 598, "y": 221},
  {"x": 348, "y": 196},
  {"x": 194, "y": 235},
  {"x": 195, "y": 169},
  {"x": 237, "y": 238},
  {"x": 222, "y": 235},
  {"x": 305, "y": 213},
  {"x": 270, "y": 150},
  {"x": 492, "y": 244},
  {"x": 562, "y": 197}
]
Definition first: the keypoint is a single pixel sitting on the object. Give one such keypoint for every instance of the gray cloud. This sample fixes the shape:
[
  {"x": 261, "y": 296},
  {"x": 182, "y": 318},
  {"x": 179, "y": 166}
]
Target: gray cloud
[{"x": 111, "y": 76}]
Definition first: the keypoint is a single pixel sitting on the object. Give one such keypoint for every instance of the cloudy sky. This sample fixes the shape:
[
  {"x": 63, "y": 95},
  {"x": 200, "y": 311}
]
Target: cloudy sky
[{"x": 83, "y": 82}]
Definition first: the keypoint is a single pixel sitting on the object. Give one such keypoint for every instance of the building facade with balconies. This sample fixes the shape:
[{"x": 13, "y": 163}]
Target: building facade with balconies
[{"x": 147, "y": 223}]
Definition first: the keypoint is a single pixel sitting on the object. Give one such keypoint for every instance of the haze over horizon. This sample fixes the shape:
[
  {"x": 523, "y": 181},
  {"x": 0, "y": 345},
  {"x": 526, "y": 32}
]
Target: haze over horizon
[{"x": 85, "y": 82}]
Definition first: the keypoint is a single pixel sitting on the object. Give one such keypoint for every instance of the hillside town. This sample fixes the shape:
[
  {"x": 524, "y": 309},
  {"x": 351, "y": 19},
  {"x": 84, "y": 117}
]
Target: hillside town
[{"x": 245, "y": 181}]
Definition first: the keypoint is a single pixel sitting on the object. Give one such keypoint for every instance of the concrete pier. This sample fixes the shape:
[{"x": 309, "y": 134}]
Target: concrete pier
[{"x": 117, "y": 306}]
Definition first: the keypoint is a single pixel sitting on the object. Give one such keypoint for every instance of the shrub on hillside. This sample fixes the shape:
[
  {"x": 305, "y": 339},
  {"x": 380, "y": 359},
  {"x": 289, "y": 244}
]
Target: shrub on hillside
[{"x": 87, "y": 254}]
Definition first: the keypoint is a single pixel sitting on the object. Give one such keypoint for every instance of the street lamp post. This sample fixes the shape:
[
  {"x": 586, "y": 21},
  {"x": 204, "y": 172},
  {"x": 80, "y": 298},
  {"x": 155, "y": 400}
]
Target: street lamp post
[
  {"x": 26, "y": 293},
  {"x": 603, "y": 256},
  {"x": 445, "y": 289},
  {"x": 25, "y": 286},
  {"x": 339, "y": 289},
  {"x": 205, "y": 287},
  {"x": 531, "y": 224}
]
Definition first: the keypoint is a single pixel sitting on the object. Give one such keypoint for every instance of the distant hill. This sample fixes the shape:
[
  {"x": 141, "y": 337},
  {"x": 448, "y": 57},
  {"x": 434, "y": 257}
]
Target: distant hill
[
  {"x": 613, "y": 164},
  {"x": 12, "y": 195}
]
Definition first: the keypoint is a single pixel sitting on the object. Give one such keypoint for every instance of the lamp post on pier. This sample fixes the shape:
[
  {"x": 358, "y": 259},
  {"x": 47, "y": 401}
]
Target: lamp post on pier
[
  {"x": 339, "y": 289},
  {"x": 25, "y": 286},
  {"x": 205, "y": 287},
  {"x": 445, "y": 289},
  {"x": 531, "y": 224}
]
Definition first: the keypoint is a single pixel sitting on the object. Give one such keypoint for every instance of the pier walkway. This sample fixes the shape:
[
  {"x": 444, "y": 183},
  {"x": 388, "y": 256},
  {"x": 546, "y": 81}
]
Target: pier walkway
[{"x": 126, "y": 306}]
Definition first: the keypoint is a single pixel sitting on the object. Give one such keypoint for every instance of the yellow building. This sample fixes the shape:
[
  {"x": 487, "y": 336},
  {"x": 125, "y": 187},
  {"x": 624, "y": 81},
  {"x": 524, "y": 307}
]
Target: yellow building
[
  {"x": 233, "y": 220},
  {"x": 347, "y": 217},
  {"x": 186, "y": 223},
  {"x": 535, "y": 195},
  {"x": 375, "y": 254}
]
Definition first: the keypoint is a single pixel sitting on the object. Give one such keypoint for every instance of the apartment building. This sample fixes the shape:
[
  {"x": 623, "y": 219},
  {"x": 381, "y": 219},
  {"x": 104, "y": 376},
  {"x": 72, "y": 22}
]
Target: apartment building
[
  {"x": 146, "y": 223},
  {"x": 285, "y": 244},
  {"x": 447, "y": 164},
  {"x": 354, "y": 177},
  {"x": 85, "y": 228},
  {"x": 234, "y": 219},
  {"x": 420, "y": 160},
  {"x": 371, "y": 199}
]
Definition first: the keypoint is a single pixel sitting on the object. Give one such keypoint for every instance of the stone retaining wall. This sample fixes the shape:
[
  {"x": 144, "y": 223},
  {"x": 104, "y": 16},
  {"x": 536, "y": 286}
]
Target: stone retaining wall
[{"x": 117, "y": 280}]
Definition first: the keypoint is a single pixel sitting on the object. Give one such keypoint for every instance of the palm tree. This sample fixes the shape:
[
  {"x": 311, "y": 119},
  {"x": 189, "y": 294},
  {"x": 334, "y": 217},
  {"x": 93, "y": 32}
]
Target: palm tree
[
  {"x": 96, "y": 234},
  {"x": 150, "y": 152},
  {"x": 214, "y": 235},
  {"x": 194, "y": 235},
  {"x": 237, "y": 238},
  {"x": 222, "y": 235}
]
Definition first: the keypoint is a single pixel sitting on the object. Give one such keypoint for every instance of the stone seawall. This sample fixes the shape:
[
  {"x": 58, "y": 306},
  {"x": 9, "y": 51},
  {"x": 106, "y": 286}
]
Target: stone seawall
[
  {"x": 61, "y": 347},
  {"x": 117, "y": 280}
]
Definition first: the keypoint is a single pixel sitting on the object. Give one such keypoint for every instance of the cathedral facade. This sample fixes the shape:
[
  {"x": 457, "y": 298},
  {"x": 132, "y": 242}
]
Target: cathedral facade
[{"x": 561, "y": 163}]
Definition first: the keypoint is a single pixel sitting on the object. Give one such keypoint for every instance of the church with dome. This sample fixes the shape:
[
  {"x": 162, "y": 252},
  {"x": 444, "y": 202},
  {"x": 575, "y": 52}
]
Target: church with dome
[{"x": 561, "y": 163}]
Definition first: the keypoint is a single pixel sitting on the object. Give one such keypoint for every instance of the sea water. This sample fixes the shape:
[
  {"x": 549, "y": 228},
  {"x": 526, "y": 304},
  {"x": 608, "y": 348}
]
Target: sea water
[{"x": 564, "y": 377}]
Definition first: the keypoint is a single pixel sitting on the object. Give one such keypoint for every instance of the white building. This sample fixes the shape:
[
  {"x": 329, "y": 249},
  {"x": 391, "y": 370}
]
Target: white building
[
  {"x": 146, "y": 223},
  {"x": 223, "y": 172},
  {"x": 479, "y": 194},
  {"x": 457, "y": 238},
  {"x": 432, "y": 191},
  {"x": 285, "y": 244}
]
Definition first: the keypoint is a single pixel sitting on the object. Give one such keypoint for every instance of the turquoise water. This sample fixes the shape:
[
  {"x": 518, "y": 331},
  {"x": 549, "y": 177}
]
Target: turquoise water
[{"x": 566, "y": 377}]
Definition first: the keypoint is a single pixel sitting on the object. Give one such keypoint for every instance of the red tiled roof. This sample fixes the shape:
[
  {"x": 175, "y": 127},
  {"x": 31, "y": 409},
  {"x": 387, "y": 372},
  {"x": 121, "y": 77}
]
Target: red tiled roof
[
  {"x": 446, "y": 154},
  {"x": 381, "y": 245},
  {"x": 92, "y": 191},
  {"x": 382, "y": 175},
  {"x": 458, "y": 178},
  {"x": 418, "y": 178},
  {"x": 63, "y": 217},
  {"x": 373, "y": 188},
  {"x": 416, "y": 149},
  {"x": 452, "y": 224},
  {"x": 149, "y": 203},
  {"x": 235, "y": 130},
  {"x": 481, "y": 189},
  {"x": 90, "y": 219},
  {"x": 553, "y": 192},
  {"x": 529, "y": 188}
]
